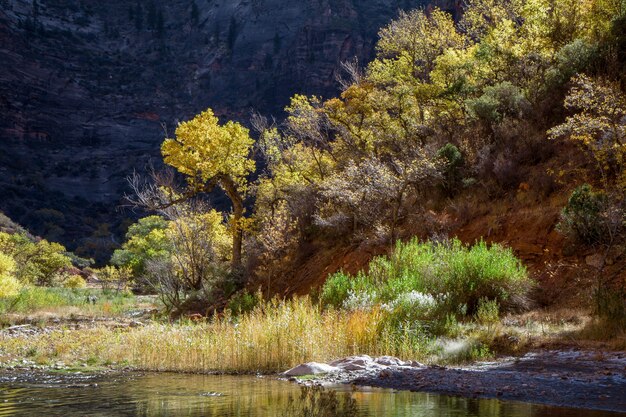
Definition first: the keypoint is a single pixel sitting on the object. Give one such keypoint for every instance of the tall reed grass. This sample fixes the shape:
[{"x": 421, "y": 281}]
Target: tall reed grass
[{"x": 273, "y": 337}]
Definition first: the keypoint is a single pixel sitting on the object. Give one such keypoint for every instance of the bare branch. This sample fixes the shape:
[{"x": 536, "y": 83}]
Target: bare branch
[
  {"x": 160, "y": 193},
  {"x": 353, "y": 73},
  {"x": 261, "y": 123}
]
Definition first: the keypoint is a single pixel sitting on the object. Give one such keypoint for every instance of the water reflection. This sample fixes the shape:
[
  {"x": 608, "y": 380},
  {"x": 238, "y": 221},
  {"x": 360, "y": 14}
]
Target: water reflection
[{"x": 225, "y": 396}]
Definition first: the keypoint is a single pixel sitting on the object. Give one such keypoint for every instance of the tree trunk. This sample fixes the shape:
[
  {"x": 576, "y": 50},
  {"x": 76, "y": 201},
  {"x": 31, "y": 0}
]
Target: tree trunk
[
  {"x": 230, "y": 188},
  {"x": 396, "y": 214}
]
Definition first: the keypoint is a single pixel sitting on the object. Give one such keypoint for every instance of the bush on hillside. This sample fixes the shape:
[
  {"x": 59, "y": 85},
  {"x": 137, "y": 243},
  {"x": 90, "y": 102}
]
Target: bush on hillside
[
  {"x": 454, "y": 275},
  {"x": 452, "y": 159},
  {"x": 583, "y": 219},
  {"x": 499, "y": 101}
]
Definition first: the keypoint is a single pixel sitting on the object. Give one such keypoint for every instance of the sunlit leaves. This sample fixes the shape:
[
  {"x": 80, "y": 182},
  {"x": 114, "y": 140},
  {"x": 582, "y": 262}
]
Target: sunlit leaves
[
  {"x": 39, "y": 262},
  {"x": 481, "y": 16},
  {"x": 146, "y": 240},
  {"x": 204, "y": 150},
  {"x": 9, "y": 285},
  {"x": 599, "y": 123},
  {"x": 415, "y": 40}
]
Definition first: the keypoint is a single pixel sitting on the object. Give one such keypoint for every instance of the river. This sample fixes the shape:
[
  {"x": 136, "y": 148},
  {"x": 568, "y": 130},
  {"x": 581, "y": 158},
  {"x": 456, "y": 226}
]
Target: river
[{"x": 151, "y": 394}]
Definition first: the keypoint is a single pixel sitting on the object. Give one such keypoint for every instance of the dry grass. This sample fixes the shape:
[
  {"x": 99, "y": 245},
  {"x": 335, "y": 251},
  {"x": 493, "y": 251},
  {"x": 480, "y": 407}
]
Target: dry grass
[
  {"x": 272, "y": 338},
  {"x": 547, "y": 329},
  {"x": 279, "y": 335}
]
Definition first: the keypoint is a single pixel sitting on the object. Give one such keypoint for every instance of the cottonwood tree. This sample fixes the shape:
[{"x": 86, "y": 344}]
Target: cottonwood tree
[
  {"x": 412, "y": 43},
  {"x": 210, "y": 155},
  {"x": 599, "y": 125},
  {"x": 297, "y": 157},
  {"x": 198, "y": 257},
  {"x": 481, "y": 16},
  {"x": 145, "y": 240}
]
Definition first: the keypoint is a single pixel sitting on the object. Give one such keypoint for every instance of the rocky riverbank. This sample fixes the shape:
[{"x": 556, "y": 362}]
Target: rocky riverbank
[{"x": 581, "y": 379}]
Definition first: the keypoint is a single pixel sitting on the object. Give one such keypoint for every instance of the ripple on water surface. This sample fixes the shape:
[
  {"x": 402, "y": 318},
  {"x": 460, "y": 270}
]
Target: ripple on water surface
[{"x": 224, "y": 396}]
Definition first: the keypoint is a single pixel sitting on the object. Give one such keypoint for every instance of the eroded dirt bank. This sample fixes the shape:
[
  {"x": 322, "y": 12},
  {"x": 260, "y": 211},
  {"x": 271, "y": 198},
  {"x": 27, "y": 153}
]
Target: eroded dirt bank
[{"x": 581, "y": 379}]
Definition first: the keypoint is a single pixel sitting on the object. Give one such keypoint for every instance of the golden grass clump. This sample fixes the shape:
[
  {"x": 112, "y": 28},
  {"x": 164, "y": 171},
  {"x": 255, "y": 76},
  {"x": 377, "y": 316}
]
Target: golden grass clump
[{"x": 273, "y": 337}]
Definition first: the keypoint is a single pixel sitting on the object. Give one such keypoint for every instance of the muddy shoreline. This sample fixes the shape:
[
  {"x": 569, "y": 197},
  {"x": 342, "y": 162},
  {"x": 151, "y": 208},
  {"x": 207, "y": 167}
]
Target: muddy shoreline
[{"x": 577, "y": 379}]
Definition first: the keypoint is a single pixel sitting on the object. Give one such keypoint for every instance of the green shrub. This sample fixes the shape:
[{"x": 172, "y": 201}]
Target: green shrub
[
  {"x": 244, "y": 302},
  {"x": 74, "y": 281},
  {"x": 571, "y": 59},
  {"x": 488, "y": 312},
  {"x": 336, "y": 290},
  {"x": 452, "y": 159},
  {"x": 9, "y": 285},
  {"x": 583, "y": 218},
  {"x": 499, "y": 101},
  {"x": 467, "y": 274},
  {"x": 456, "y": 276}
]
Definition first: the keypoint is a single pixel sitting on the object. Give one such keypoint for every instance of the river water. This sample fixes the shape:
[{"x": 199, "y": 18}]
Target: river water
[{"x": 138, "y": 394}]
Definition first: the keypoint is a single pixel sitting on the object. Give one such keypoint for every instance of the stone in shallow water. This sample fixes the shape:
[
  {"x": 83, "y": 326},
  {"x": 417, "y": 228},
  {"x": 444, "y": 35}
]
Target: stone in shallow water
[{"x": 311, "y": 368}]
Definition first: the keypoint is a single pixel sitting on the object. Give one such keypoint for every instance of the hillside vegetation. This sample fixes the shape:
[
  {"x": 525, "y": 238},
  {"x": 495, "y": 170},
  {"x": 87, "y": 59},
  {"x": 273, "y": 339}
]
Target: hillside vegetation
[
  {"x": 515, "y": 106},
  {"x": 458, "y": 140}
]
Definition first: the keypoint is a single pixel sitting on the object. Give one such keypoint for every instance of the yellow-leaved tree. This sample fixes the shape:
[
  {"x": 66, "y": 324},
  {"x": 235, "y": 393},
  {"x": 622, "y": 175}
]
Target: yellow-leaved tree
[
  {"x": 9, "y": 285},
  {"x": 598, "y": 125},
  {"x": 210, "y": 155}
]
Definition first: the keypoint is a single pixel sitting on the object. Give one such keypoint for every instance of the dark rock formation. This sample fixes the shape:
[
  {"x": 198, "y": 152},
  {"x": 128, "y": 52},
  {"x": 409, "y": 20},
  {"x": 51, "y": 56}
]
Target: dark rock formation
[{"x": 87, "y": 88}]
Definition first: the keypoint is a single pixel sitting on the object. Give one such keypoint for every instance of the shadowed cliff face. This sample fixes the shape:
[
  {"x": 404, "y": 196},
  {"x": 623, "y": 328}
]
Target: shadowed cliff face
[{"x": 87, "y": 88}]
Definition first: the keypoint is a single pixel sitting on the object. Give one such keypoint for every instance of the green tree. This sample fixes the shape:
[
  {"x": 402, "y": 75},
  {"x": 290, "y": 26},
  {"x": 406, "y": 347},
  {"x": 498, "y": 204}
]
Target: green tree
[
  {"x": 40, "y": 263},
  {"x": 598, "y": 125},
  {"x": 146, "y": 240},
  {"x": 9, "y": 285},
  {"x": 209, "y": 155}
]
